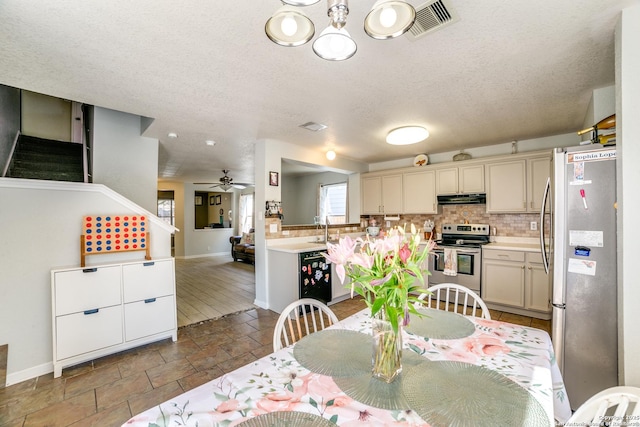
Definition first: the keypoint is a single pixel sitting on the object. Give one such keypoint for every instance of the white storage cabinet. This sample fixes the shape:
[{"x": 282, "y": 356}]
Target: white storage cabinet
[{"x": 106, "y": 309}]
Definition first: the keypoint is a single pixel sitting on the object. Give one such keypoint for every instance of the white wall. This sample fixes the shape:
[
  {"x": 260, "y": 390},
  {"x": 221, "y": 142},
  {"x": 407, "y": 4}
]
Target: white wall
[
  {"x": 534, "y": 144},
  {"x": 628, "y": 131},
  {"x": 40, "y": 225},
  {"x": 271, "y": 152},
  {"x": 122, "y": 159}
]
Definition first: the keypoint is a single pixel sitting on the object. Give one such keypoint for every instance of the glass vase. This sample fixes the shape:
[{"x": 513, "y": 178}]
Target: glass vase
[{"x": 387, "y": 348}]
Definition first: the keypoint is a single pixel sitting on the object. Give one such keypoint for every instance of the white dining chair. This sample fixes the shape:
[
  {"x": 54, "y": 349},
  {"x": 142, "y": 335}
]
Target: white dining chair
[
  {"x": 456, "y": 298},
  {"x": 301, "y": 318},
  {"x": 615, "y": 406}
]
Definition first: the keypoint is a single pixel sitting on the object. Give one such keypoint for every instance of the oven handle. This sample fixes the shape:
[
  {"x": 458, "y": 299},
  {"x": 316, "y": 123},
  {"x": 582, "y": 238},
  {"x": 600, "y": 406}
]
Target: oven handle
[{"x": 459, "y": 251}]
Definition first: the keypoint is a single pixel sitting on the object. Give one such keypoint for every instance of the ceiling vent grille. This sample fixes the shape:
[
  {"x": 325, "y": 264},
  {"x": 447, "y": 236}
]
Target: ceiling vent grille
[{"x": 430, "y": 17}]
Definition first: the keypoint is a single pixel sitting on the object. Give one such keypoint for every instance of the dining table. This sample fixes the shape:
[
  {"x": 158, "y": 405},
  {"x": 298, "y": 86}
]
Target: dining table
[{"x": 456, "y": 371}]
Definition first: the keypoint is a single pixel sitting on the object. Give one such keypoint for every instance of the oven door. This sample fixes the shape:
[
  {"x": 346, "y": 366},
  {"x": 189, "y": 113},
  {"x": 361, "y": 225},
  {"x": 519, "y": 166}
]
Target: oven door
[{"x": 468, "y": 273}]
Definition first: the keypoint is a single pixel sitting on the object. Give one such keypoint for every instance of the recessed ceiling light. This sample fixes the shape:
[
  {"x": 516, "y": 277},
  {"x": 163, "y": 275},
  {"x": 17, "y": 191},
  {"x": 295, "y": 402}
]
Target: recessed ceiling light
[
  {"x": 313, "y": 126},
  {"x": 172, "y": 135},
  {"x": 331, "y": 154},
  {"x": 210, "y": 142},
  {"x": 407, "y": 135}
]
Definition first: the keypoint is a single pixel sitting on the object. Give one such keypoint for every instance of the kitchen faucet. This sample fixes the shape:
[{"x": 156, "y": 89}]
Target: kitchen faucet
[{"x": 326, "y": 229}]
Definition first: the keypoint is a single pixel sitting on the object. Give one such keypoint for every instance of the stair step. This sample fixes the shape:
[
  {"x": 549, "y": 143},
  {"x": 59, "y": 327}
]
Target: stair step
[{"x": 38, "y": 158}]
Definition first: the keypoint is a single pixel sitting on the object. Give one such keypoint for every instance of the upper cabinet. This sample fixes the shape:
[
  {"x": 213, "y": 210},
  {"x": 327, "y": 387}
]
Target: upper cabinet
[
  {"x": 538, "y": 171},
  {"x": 382, "y": 194},
  {"x": 419, "y": 192},
  {"x": 517, "y": 185},
  {"x": 460, "y": 180},
  {"x": 506, "y": 186}
]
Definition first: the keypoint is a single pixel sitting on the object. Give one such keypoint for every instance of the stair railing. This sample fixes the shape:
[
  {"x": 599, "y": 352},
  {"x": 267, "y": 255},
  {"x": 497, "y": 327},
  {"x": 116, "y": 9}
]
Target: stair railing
[{"x": 10, "y": 157}]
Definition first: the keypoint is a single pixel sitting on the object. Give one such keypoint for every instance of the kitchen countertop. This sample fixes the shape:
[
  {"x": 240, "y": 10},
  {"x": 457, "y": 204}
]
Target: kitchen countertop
[
  {"x": 526, "y": 244},
  {"x": 298, "y": 247}
]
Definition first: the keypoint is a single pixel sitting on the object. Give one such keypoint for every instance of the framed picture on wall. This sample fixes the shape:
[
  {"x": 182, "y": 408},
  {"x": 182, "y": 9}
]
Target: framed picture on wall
[
  {"x": 198, "y": 201},
  {"x": 273, "y": 179},
  {"x": 218, "y": 199},
  {"x": 212, "y": 200}
]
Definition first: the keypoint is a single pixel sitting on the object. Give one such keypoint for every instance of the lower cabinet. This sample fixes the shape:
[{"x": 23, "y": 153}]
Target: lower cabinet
[
  {"x": 106, "y": 309},
  {"x": 515, "y": 282}
]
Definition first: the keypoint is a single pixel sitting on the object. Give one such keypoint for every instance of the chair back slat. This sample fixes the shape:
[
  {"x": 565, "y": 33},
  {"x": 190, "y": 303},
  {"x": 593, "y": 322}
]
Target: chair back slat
[
  {"x": 298, "y": 319},
  {"x": 455, "y": 298}
]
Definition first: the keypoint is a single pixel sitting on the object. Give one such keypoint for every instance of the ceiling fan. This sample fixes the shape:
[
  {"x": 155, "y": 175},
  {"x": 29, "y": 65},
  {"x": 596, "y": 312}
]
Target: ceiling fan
[{"x": 226, "y": 182}]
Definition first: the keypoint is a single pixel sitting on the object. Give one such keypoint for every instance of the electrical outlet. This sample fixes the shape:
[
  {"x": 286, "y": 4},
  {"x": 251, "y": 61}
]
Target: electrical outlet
[{"x": 533, "y": 226}]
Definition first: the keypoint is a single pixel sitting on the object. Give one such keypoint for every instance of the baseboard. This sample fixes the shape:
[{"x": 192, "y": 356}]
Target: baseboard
[
  {"x": 261, "y": 304},
  {"x": 27, "y": 374}
]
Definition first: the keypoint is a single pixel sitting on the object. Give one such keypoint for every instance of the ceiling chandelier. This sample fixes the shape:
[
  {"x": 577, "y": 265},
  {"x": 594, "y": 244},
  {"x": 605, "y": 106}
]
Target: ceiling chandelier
[{"x": 290, "y": 27}]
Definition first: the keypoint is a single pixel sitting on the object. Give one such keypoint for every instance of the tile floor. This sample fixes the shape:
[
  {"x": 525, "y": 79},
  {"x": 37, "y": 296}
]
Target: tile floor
[{"x": 110, "y": 390}]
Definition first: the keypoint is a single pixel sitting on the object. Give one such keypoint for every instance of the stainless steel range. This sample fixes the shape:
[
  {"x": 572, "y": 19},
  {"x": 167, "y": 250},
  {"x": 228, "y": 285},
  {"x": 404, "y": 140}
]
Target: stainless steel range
[{"x": 466, "y": 240}]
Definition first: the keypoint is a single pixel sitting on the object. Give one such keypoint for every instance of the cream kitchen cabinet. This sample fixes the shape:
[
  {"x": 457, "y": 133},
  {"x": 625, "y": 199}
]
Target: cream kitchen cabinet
[
  {"x": 382, "y": 194},
  {"x": 515, "y": 282},
  {"x": 106, "y": 309},
  {"x": 507, "y": 186},
  {"x": 460, "y": 180},
  {"x": 538, "y": 170},
  {"x": 419, "y": 192}
]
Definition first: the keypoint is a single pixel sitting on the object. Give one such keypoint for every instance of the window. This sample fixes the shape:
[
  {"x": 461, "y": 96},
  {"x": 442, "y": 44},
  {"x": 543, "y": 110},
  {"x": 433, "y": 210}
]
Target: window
[
  {"x": 332, "y": 204},
  {"x": 246, "y": 212},
  {"x": 166, "y": 207}
]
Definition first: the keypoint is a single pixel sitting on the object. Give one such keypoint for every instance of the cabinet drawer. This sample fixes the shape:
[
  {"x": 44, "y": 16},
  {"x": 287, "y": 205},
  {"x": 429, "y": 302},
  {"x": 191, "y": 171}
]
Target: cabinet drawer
[
  {"x": 81, "y": 333},
  {"x": 534, "y": 257},
  {"x": 144, "y": 318},
  {"x": 503, "y": 255},
  {"x": 148, "y": 280},
  {"x": 86, "y": 289}
]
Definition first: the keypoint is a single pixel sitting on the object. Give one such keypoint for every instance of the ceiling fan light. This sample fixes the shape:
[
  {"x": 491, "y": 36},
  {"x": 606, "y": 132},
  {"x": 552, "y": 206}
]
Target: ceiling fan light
[
  {"x": 388, "y": 19},
  {"x": 289, "y": 27},
  {"x": 334, "y": 44},
  {"x": 407, "y": 135}
]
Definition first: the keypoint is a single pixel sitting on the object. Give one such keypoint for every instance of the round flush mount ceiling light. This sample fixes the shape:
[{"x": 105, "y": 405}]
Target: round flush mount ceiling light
[
  {"x": 331, "y": 154},
  {"x": 407, "y": 135},
  {"x": 172, "y": 135},
  {"x": 210, "y": 143}
]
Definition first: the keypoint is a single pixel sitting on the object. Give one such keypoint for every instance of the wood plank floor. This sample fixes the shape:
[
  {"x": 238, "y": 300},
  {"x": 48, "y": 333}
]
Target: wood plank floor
[{"x": 213, "y": 287}]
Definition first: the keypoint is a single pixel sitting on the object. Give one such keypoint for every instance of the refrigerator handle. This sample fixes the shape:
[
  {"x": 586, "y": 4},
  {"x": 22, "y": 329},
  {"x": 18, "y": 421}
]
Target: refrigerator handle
[{"x": 543, "y": 249}]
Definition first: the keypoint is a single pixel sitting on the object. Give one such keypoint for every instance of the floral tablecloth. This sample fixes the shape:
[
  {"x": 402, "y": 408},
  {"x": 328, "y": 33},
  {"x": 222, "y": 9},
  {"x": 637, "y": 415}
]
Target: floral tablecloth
[{"x": 277, "y": 382}]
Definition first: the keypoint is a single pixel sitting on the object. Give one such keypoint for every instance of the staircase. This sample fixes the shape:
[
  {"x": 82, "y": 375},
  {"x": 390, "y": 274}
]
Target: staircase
[{"x": 38, "y": 158}]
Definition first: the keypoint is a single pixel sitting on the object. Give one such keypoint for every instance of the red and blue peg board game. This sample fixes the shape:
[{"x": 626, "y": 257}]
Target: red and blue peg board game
[{"x": 104, "y": 234}]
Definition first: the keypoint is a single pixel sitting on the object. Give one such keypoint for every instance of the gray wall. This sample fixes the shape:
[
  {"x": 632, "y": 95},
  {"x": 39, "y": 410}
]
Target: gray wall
[{"x": 9, "y": 121}]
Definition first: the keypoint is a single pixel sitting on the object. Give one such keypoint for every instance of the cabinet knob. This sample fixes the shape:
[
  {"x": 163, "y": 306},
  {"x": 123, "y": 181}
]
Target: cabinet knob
[{"x": 522, "y": 267}]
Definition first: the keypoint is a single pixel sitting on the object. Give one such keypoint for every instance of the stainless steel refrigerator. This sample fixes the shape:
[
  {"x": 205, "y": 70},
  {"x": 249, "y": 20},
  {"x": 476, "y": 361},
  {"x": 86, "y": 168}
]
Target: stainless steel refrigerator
[{"x": 582, "y": 193}]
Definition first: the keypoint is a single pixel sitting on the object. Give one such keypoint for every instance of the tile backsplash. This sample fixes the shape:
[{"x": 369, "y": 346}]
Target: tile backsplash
[
  {"x": 511, "y": 225},
  {"x": 506, "y": 225}
]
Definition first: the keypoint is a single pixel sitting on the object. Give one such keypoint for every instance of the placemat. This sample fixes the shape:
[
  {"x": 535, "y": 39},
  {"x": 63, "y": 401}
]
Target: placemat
[
  {"x": 440, "y": 324},
  {"x": 335, "y": 352},
  {"x": 451, "y": 393},
  {"x": 373, "y": 392},
  {"x": 287, "y": 419}
]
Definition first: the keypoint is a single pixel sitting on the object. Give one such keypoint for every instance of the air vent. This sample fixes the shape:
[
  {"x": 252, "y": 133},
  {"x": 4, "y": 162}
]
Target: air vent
[
  {"x": 313, "y": 126},
  {"x": 430, "y": 17}
]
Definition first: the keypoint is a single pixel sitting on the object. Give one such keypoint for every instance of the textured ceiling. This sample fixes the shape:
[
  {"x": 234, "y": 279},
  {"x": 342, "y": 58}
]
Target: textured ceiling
[{"x": 508, "y": 70}]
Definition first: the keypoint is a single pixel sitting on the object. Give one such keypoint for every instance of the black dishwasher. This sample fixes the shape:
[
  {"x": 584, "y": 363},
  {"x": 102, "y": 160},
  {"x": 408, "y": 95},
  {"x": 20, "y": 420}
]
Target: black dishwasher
[{"x": 315, "y": 276}]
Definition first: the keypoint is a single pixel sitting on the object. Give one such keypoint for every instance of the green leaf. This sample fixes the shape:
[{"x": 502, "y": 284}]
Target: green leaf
[
  {"x": 313, "y": 402},
  {"x": 334, "y": 419}
]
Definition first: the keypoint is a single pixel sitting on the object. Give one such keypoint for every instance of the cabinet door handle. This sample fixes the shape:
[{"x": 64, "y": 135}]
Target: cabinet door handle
[
  {"x": 89, "y": 270},
  {"x": 150, "y": 300},
  {"x": 94, "y": 311},
  {"x": 148, "y": 264}
]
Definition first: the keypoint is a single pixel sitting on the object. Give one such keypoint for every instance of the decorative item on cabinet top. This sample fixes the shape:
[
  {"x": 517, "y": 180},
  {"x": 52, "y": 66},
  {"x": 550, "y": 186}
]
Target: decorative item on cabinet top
[
  {"x": 114, "y": 233},
  {"x": 461, "y": 156},
  {"x": 421, "y": 160}
]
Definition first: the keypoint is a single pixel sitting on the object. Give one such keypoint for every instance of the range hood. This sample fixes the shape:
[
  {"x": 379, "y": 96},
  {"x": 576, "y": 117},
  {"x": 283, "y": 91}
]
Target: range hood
[{"x": 463, "y": 199}]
